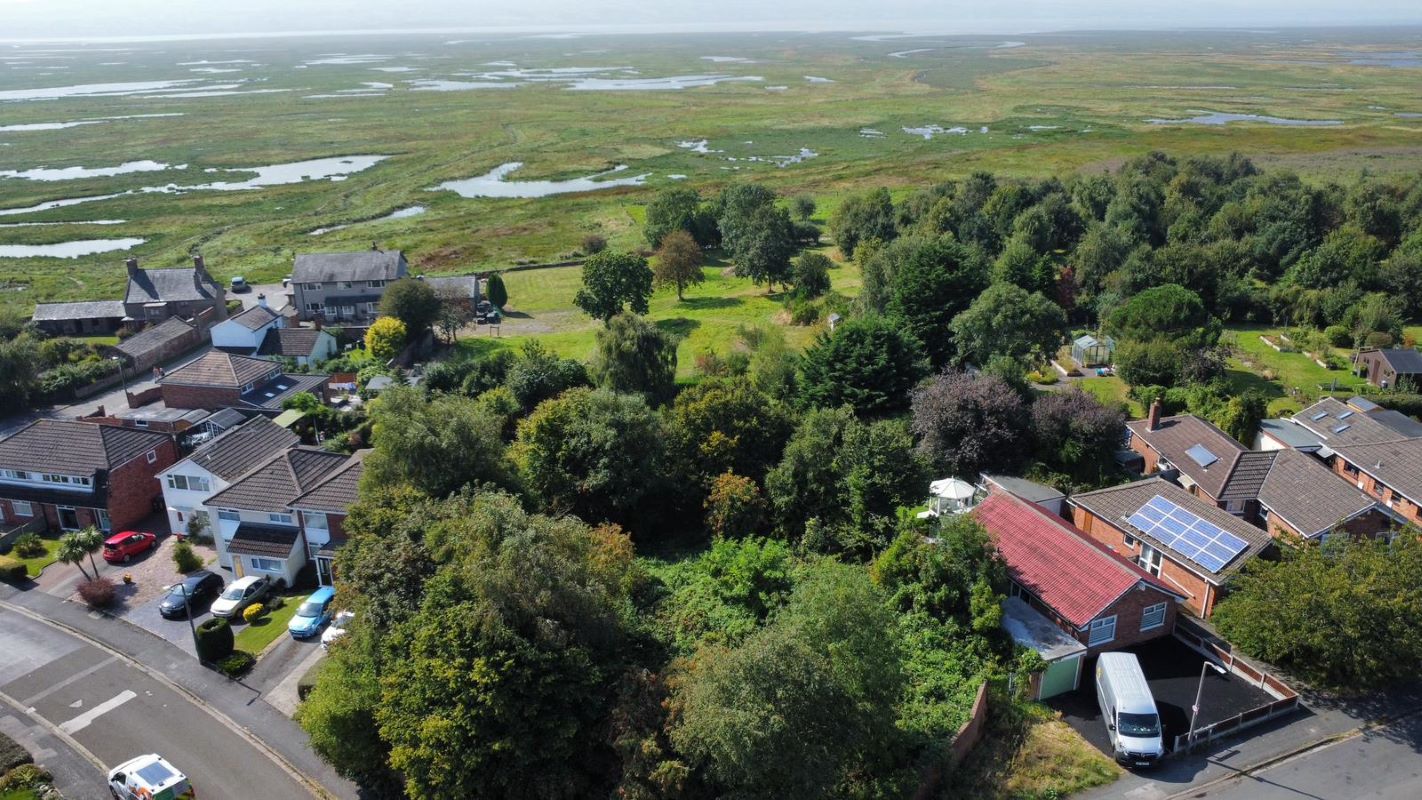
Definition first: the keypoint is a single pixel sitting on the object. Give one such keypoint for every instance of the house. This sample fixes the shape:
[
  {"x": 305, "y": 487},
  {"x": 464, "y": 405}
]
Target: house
[
  {"x": 1280, "y": 434},
  {"x": 257, "y": 530},
  {"x": 322, "y": 514},
  {"x": 213, "y": 467},
  {"x": 1203, "y": 459},
  {"x": 308, "y": 347},
  {"x": 68, "y": 474},
  {"x": 219, "y": 380},
  {"x": 1386, "y": 368},
  {"x": 1098, "y": 597},
  {"x": 1191, "y": 544},
  {"x": 1031, "y": 491},
  {"x": 465, "y": 288},
  {"x": 154, "y": 295},
  {"x": 1301, "y": 498},
  {"x": 344, "y": 287},
  {"x": 243, "y": 332},
  {"x": 1089, "y": 351},
  {"x": 1373, "y": 449},
  {"x": 88, "y": 318},
  {"x": 158, "y": 344}
]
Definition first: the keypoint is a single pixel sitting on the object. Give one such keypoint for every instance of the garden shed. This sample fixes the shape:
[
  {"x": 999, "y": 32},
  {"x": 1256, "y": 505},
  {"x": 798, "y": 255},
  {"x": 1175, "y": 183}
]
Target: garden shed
[{"x": 1089, "y": 351}]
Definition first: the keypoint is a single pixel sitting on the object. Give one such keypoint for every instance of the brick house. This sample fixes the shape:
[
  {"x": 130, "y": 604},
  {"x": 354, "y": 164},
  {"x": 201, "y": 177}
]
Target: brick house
[
  {"x": 215, "y": 465},
  {"x": 1373, "y": 449},
  {"x": 322, "y": 514},
  {"x": 1386, "y": 368},
  {"x": 1098, "y": 597},
  {"x": 1204, "y": 460},
  {"x": 220, "y": 380},
  {"x": 67, "y": 474},
  {"x": 154, "y": 295},
  {"x": 1301, "y": 498},
  {"x": 160, "y": 343},
  {"x": 1195, "y": 554},
  {"x": 344, "y": 288}
]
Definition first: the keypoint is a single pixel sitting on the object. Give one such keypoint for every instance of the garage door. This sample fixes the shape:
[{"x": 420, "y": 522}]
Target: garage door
[{"x": 1060, "y": 677}]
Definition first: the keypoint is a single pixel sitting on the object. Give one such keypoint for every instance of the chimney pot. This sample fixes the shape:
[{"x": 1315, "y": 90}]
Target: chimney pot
[
  {"x": 262, "y": 300},
  {"x": 199, "y": 264},
  {"x": 132, "y": 265},
  {"x": 1153, "y": 421}
]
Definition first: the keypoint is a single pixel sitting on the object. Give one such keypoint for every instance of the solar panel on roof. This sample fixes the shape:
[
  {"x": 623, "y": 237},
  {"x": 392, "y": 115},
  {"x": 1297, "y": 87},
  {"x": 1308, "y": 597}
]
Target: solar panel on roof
[
  {"x": 1186, "y": 533},
  {"x": 1201, "y": 455}
]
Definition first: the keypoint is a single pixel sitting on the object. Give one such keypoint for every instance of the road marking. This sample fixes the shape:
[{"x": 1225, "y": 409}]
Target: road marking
[
  {"x": 78, "y": 676},
  {"x": 83, "y": 721}
]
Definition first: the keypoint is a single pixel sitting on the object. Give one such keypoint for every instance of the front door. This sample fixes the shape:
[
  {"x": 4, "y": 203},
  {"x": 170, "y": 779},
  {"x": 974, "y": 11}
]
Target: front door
[
  {"x": 324, "y": 574},
  {"x": 68, "y": 519},
  {"x": 104, "y": 524}
]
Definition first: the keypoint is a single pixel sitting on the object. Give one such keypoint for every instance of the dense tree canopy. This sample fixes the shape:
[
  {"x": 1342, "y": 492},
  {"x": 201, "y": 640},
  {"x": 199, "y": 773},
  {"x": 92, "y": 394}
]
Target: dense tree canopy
[
  {"x": 614, "y": 281},
  {"x": 966, "y": 424},
  {"x": 634, "y": 355},
  {"x": 870, "y": 363},
  {"x": 860, "y": 218},
  {"x": 436, "y": 445},
  {"x": 413, "y": 302},
  {"x": 1008, "y": 321},
  {"x": 929, "y": 282}
]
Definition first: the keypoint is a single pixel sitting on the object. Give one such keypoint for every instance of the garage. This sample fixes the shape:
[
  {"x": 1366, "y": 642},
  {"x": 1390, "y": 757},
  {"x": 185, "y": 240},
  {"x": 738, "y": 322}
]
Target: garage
[{"x": 1062, "y": 653}]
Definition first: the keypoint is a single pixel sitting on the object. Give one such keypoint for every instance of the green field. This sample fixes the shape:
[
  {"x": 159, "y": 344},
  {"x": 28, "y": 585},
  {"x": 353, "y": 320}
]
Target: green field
[{"x": 1055, "y": 104}]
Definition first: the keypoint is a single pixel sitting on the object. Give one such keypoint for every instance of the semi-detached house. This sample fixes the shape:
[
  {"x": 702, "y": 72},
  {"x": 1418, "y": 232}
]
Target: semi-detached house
[
  {"x": 321, "y": 513},
  {"x": 188, "y": 484}
]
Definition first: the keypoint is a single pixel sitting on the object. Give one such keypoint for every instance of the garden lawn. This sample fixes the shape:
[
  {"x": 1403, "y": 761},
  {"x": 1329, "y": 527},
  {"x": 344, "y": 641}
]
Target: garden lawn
[
  {"x": 1111, "y": 390},
  {"x": 20, "y": 794},
  {"x": 1290, "y": 380},
  {"x": 36, "y": 564},
  {"x": 255, "y": 637}
]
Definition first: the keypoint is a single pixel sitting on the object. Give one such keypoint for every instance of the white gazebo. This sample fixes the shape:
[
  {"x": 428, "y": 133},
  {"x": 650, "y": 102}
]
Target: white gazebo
[{"x": 949, "y": 496}]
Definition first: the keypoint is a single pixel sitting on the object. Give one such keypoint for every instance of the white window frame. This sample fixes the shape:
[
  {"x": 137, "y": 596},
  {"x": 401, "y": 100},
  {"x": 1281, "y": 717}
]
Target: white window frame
[
  {"x": 229, "y": 514},
  {"x": 1150, "y": 559},
  {"x": 312, "y": 517},
  {"x": 1096, "y": 628},
  {"x": 279, "y": 518},
  {"x": 268, "y": 564},
  {"x": 152, "y": 456},
  {"x": 22, "y": 508},
  {"x": 1151, "y": 610}
]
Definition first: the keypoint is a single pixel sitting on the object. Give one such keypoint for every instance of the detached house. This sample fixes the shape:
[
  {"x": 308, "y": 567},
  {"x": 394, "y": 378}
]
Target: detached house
[
  {"x": 243, "y": 332},
  {"x": 154, "y": 295},
  {"x": 188, "y": 484},
  {"x": 219, "y": 380},
  {"x": 67, "y": 475},
  {"x": 344, "y": 288},
  {"x": 1200, "y": 457}
]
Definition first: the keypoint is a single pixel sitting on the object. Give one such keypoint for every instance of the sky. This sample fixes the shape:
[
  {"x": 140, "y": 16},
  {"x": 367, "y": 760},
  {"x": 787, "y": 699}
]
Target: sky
[{"x": 118, "y": 19}]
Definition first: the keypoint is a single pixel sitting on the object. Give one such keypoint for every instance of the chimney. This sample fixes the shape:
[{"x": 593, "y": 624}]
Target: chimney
[
  {"x": 262, "y": 301},
  {"x": 1153, "y": 421},
  {"x": 132, "y": 265},
  {"x": 199, "y": 264}
]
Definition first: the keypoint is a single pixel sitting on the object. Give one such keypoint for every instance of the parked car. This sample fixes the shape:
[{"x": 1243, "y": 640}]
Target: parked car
[
  {"x": 241, "y": 593},
  {"x": 1129, "y": 710},
  {"x": 149, "y": 777},
  {"x": 312, "y": 614},
  {"x": 202, "y": 588},
  {"x": 124, "y": 546},
  {"x": 339, "y": 628},
  {"x": 239, "y": 284}
]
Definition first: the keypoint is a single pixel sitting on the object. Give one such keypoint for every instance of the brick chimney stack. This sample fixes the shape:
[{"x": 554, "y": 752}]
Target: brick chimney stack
[
  {"x": 132, "y": 265},
  {"x": 1153, "y": 420},
  {"x": 262, "y": 301}
]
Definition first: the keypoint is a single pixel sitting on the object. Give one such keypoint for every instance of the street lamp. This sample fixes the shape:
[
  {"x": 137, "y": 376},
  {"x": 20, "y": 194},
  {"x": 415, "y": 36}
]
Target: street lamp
[
  {"x": 123, "y": 379},
  {"x": 188, "y": 610},
  {"x": 1195, "y": 709}
]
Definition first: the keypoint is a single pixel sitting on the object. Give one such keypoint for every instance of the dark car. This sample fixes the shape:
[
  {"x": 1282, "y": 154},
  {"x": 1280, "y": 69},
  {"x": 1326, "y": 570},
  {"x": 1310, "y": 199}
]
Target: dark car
[{"x": 203, "y": 587}]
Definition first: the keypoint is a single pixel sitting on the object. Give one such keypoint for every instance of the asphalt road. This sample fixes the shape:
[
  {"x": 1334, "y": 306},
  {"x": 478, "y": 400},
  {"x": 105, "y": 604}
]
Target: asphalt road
[
  {"x": 115, "y": 711},
  {"x": 1382, "y": 764}
]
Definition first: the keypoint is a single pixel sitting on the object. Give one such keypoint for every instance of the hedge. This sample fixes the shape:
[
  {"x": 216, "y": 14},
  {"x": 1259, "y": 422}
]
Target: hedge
[
  {"x": 214, "y": 640},
  {"x": 12, "y": 754},
  {"x": 13, "y": 570},
  {"x": 1406, "y": 402}
]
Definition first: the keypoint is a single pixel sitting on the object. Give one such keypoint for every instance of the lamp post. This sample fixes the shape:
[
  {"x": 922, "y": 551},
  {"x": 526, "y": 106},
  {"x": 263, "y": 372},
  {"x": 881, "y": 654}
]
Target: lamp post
[
  {"x": 187, "y": 610},
  {"x": 1200, "y": 690},
  {"x": 123, "y": 378}
]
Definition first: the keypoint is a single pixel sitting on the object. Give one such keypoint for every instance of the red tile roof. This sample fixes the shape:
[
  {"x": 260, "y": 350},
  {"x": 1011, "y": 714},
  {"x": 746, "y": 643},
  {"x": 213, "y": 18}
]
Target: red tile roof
[{"x": 1056, "y": 562}]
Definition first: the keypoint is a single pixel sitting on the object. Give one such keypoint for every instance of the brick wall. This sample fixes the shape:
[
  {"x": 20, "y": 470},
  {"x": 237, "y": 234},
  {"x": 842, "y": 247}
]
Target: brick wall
[
  {"x": 1400, "y": 504},
  {"x": 1152, "y": 459},
  {"x": 1200, "y": 594},
  {"x": 212, "y": 398},
  {"x": 132, "y": 486},
  {"x": 1128, "y": 611}
]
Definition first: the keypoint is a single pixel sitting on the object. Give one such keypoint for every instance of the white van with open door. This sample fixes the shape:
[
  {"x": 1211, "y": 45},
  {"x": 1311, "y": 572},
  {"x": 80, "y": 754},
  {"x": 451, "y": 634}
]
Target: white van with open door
[
  {"x": 149, "y": 777},
  {"x": 1128, "y": 709}
]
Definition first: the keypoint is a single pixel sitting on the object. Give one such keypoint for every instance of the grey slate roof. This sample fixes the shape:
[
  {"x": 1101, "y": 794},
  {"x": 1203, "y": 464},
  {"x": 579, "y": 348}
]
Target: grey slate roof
[
  {"x": 1176, "y": 435},
  {"x": 270, "y": 395},
  {"x": 1403, "y": 360},
  {"x": 255, "y": 317},
  {"x": 1308, "y": 495},
  {"x": 1249, "y": 473},
  {"x": 90, "y": 309},
  {"x": 290, "y": 342},
  {"x": 1290, "y": 433},
  {"x": 155, "y": 337},
  {"x": 362, "y": 265},
  {"x": 239, "y": 450},
  {"x": 269, "y": 541},
  {"x": 224, "y": 370},
  {"x": 168, "y": 285},
  {"x": 273, "y": 484},
  {"x": 1398, "y": 421},
  {"x": 70, "y": 447},
  {"x": 1332, "y": 417},
  {"x": 338, "y": 491},
  {"x": 462, "y": 285},
  {"x": 225, "y": 418},
  {"x": 1030, "y": 491},
  {"x": 1116, "y": 504},
  {"x": 1397, "y": 463}
]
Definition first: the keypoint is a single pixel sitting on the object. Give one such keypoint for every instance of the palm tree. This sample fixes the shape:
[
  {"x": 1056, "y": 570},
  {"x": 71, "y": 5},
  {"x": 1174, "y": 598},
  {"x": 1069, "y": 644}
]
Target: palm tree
[
  {"x": 92, "y": 539},
  {"x": 72, "y": 551}
]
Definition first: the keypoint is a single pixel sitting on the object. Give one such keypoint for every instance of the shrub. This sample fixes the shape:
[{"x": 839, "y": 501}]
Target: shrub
[
  {"x": 275, "y": 603},
  {"x": 12, "y": 754},
  {"x": 29, "y": 545},
  {"x": 236, "y": 665},
  {"x": 214, "y": 640},
  {"x": 803, "y": 312},
  {"x": 98, "y": 593},
  {"x": 185, "y": 558},
  {"x": 25, "y": 776},
  {"x": 13, "y": 570},
  {"x": 253, "y": 612},
  {"x": 593, "y": 244},
  {"x": 1338, "y": 336}
]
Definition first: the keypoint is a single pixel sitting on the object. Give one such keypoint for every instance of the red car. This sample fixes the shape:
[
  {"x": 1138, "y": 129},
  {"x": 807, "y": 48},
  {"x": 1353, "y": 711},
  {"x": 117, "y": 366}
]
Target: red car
[{"x": 124, "y": 546}]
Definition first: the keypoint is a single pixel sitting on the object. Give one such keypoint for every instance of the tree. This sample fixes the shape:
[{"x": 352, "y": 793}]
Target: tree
[
  {"x": 1075, "y": 434},
  {"x": 1152, "y": 363},
  {"x": 594, "y": 243},
  {"x": 1007, "y": 321},
  {"x": 762, "y": 247},
  {"x": 590, "y": 452},
  {"x": 931, "y": 282},
  {"x": 805, "y": 706},
  {"x": 1241, "y": 415},
  {"x": 92, "y": 540},
  {"x": 674, "y": 208},
  {"x": 723, "y": 426},
  {"x": 678, "y": 262},
  {"x": 19, "y": 372},
  {"x": 72, "y": 551},
  {"x": 538, "y": 374},
  {"x": 861, "y": 218},
  {"x": 810, "y": 275},
  {"x": 413, "y": 302},
  {"x": 969, "y": 424},
  {"x": 1376, "y": 312},
  {"x": 1170, "y": 313},
  {"x": 634, "y": 355},
  {"x": 938, "y": 575},
  {"x": 612, "y": 281},
  {"x": 802, "y": 206},
  {"x": 454, "y": 313},
  {"x": 496, "y": 293},
  {"x": 870, "y": 363},
  {"x": 734, "y": 506},
  {"x": 437, "y": 445},
  {"x": 385, "y": 337}
]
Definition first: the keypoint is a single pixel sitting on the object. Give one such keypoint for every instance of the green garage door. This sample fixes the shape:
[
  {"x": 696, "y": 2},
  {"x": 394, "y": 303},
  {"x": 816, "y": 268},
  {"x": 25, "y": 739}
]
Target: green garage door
[{"x": 1060, "y": 677}]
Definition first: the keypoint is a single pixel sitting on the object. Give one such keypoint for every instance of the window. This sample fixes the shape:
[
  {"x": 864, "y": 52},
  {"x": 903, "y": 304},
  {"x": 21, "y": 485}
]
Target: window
[
  {"x": 1102, "y": 630},
  {"x": 267, "y": 564},
  {"x": 140, "y": 423},
  {"x": 1130, "y": 541},
  {"x": 375, "y": 284},
  {"x": 229, "y": 515},
  {"x": 152, "y": 456},
  {"x": 1153, "y": 617},
  {"x": 344, "y": 285},
  {"x": 313, "y": 307},
  {"x": 316, "y": 285},
  {"x": 281, "y": 519},
  {"x": 1149, "y": 560},
  {"x": 22, "y": 508},
  {"x": 316, "y": 521},
  {"x": 191, "y": 483}
]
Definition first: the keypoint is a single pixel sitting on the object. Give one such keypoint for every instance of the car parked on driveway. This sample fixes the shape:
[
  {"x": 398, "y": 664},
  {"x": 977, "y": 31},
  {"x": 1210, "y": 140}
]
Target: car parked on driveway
[
  {"x": 241, "y": 593},
  {"x": 122, "y": 547},
  {"x": 313, "y": 613},
  {"x": 202, "y": 587},
  {"x": 340, "y": 626}
]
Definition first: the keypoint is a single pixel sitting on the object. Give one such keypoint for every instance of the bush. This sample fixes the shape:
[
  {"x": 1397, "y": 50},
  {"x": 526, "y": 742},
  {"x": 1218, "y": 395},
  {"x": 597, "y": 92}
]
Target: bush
[
  {"x": 253, "y": 612},
  {"x": 592, "y": 245},
  {"x": 185, "y": 558},
  {"x": 236, "y": 665},
  {"x": 29, "y": 545},
  {"x": 214, "y": 640},
  {"x": 98, "y": 593},
  {"x": 13, "y": 570},
  {"x": 275, "y": 603},
  {"x": 803, "y": 312},
  {"x": 1338, "y": 336},
  {"x": 12, "y": 754},
  {"x": 25, "y": 776}
]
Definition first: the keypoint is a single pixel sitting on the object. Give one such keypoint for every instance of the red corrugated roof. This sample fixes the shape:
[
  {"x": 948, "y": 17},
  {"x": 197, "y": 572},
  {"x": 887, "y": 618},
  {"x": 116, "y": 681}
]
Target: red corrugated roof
[{"x": 1057, "y": 562}]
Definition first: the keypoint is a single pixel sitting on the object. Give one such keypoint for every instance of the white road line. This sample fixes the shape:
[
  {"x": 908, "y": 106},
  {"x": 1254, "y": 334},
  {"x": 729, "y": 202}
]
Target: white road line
[
  {"x": 83, "y": 721},
  {"x": 30, "y": 701}
]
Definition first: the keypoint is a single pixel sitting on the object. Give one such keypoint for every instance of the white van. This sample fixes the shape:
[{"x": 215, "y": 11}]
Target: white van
[
  {"x": 1129, "y": 710},
  {"x": 149, "y": 777}
]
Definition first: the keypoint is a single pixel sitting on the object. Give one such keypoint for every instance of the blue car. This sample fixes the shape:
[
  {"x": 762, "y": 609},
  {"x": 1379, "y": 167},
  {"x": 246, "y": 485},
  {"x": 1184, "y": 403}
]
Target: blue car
[{"x": 313, "y": 613}]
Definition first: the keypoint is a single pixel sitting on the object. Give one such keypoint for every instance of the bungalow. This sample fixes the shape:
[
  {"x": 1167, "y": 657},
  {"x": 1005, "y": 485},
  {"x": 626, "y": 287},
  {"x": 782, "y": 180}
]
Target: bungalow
[
  {"x": 68, "y": 474},
  {"x": 257, "y": 530},
  {"x": 1098, "y": 597},
  {"x": 1189, "y": 543},
  {"x": 213, "y": 467},
  {"x": 322, "y": 514},
  {"x": 219, "y": 380},
  {"x": 1389, "y": 367}
]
